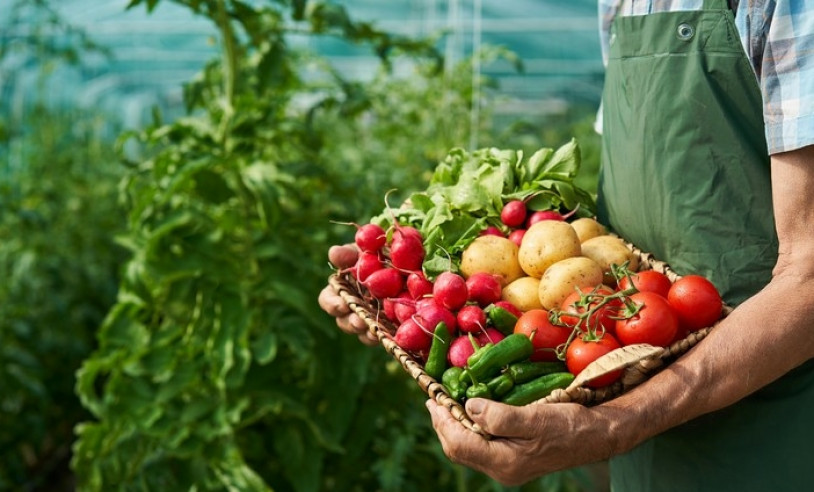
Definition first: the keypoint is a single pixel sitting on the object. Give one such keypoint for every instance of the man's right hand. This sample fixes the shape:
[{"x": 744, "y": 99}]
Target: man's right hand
[{"x": 343, "y": 257}]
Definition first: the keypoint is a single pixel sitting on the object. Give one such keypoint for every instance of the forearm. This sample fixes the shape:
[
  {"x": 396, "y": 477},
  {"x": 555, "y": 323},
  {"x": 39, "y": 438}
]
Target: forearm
[
  {"x": 757, "y": 343},
  {"x": 764, "y": 338}
]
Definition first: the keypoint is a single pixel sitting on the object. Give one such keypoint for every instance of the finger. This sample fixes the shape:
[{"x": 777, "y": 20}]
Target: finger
[
  {"x": 368, "y": 338},
  {"x": 460, "y": 444},
  {"x": 332, "y": 303},
  {"x": 342, "y": 256},
  {"x": 500, "y": 419}
]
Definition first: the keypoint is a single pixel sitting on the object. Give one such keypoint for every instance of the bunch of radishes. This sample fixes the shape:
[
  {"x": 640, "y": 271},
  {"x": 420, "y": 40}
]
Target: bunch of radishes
[
  {"x": 390, "y": 269},
  {"x": 517, "y": 217}
]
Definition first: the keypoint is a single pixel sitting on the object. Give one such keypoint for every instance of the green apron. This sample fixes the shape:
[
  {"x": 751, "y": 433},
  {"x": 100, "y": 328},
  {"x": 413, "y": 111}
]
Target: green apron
[{"x": 685, "y": 175}]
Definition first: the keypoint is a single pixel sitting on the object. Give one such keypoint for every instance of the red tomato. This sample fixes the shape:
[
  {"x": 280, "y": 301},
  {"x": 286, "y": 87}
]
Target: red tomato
[
  {"x": 582, "y": 352},
  {"x": 601, "y": 317},
  {"x": 654, "y": 321},
  {"x": 647, "y": 281},
  {"x": 545, "y": 336},
  {"x": 696, "y": 301}
]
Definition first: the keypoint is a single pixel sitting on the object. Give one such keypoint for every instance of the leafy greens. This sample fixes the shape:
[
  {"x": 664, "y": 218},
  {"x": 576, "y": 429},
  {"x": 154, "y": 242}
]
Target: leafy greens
[{"x": 467, "y": 191}]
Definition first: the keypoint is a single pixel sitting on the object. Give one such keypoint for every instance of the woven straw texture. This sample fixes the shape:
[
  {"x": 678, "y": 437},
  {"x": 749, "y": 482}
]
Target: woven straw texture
[{"x": 638, "y": 361}]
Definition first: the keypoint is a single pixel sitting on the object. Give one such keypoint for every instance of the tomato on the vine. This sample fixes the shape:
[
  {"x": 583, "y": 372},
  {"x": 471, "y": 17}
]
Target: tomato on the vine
[
  {"x": 647, "y": 281},
  {"x": 585, "y": 349},
  {"x": 602, "y": 318},
  {"x": 696, "y": 302},
  {"x": 545, "y": 336},
  {"x": 647, "y": 318}
]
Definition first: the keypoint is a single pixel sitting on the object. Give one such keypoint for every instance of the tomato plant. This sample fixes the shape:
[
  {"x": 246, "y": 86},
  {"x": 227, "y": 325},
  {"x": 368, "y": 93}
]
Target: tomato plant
[
  {"x": 586, "y": 348},
  {"x": 546, "y": 337},
  {"x": 696, "y": 301},
  {"x": 647, "y": 318}
]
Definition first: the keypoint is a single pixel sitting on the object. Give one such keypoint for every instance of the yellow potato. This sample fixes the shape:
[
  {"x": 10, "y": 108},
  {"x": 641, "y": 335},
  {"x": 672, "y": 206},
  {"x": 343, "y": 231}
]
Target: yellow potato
[
  {"x": 588, "y": 228},
  {"x": 609, "y": 250},
  {"x": 492, "y": 254},
  {"x": 546, "y": 243},
  {"x": 565, "y": 276},
  {"x": 523, "y": 293}
]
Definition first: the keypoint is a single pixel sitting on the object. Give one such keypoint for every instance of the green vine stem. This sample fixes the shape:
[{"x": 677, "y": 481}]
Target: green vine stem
[{"x": 229, "y": 71}]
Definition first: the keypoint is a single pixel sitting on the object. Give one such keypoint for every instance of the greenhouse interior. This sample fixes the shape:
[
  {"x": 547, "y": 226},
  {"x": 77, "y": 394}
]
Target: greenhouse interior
[{"x": 172, "y": 176}]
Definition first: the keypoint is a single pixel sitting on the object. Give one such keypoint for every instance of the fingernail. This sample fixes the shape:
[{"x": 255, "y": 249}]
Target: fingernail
[{"x": 475, "y": 406}]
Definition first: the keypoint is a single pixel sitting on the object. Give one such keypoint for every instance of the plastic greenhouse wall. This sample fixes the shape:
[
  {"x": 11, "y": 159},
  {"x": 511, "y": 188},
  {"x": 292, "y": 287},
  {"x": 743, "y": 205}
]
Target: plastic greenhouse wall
[{"x": 153, "y": 55}]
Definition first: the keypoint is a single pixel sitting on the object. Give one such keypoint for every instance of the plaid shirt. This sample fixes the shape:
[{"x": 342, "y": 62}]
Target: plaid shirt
[{"x": 778, "y": 37}]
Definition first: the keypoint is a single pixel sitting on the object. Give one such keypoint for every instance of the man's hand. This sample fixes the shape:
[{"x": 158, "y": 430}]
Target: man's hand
[
  {"x": 343, "y": 257},
  {"x": 530, "y": 441}
]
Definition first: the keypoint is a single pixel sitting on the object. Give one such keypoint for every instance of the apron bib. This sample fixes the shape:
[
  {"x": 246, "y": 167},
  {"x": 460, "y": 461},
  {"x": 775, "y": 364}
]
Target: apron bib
[{"x": 686, "y": 175}]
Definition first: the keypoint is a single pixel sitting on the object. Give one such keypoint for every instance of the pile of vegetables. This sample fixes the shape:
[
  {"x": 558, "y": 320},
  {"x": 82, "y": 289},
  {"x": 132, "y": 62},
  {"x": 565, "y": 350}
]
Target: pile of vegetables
[{"x": 498, "y": 279}]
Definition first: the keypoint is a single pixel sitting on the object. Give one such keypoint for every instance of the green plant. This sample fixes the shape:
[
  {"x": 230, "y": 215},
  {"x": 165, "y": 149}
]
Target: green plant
[
  {"x": 58, "y": 261},
  {"x": 59, "y": 267}
]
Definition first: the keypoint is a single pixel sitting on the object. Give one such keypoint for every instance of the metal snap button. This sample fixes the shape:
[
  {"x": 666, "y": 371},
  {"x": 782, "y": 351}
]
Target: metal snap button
[{"x": 685, "y": 32}]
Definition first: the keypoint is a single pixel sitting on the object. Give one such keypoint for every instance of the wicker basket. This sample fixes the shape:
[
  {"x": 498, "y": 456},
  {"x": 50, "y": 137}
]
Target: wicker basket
[{"x": 638, "y": 361}]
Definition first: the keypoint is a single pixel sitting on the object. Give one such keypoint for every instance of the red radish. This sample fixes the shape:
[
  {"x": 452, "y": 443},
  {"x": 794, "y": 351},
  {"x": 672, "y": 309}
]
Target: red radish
[
  {"x": 406, "y": 251},
  {"x": 543, "y": 215},
  {"x": 404, "y": 308},
  {"x": 513, "y": 213},
  {"x": 430, "y": 315},
  {"x": 410, "y": 336},
  {"x": 449, "y": 290},
  {"x": 516, "y": 236},
  {"x": 492, "y": 230},
  {"x": 423, "y": 302},
  {"x": 370, "y": 238},
  {"x": 483, "y": 288},
  {"x": 490, "y": 335},
  {"x": 387, "y": 282},
  {"x": 459, "y": 351},
  {"x": 403, "y": 230},
  {"x": 366, "y": 264},
  {"x": 471, "y": 319},
  {"x": 508, "y": 306},
  {"x": 389, "y": 305},
  {"x": 418, "y": 285}
]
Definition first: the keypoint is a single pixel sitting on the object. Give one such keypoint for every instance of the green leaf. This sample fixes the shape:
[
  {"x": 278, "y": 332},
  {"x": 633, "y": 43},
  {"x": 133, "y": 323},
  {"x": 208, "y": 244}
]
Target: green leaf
[
  {"x": 264, "y": 349},
  {"x": 564, "y": 164},
  {"x": 536, "y": 163}
]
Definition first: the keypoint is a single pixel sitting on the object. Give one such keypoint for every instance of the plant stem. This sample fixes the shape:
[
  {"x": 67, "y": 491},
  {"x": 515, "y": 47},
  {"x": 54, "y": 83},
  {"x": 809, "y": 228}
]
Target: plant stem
[{"x": 229, "y": 71}]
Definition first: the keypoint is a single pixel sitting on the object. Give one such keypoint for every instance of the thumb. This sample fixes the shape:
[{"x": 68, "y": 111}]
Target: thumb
[
  {"x": 343, "y": 256},
  {"x": 500, "y": 419}
]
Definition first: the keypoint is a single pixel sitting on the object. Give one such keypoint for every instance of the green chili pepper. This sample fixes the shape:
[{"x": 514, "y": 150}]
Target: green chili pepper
[
  {"x": 479, "y": 352},
  {"x": 513, "y": 348},
  {"x": 536, "y": 389},
  {"x": 437, "y": 358},
  {"x": 475, "y": 357},
  {"x": 524, "y": 371},
  {"x": 501, "y": 318},
  {"x": 451, "y": 379},
  {"x": 500, "y": 385},
  {"x": 479, "y": 390}
]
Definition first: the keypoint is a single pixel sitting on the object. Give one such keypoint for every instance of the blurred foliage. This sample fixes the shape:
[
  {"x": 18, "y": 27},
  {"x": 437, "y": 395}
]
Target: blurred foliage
[
  {"x": 207, "y": 362},
  {"x": 58, "y": 259},
  {"x": 58, "y": 263}
]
